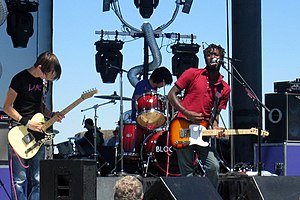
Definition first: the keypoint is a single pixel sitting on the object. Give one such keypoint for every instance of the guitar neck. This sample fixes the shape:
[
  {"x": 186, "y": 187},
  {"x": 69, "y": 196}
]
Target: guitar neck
[
  {"x": 52, "y": 120},
  {"x": 227, "y": 132}
]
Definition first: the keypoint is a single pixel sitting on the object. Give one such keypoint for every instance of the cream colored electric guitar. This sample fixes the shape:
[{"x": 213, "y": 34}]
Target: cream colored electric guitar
[{"x": 26, "y": 142}]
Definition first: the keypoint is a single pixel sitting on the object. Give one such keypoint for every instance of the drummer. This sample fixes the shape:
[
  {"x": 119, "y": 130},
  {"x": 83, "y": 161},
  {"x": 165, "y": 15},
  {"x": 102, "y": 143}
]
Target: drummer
[{"x": 160, "y": 77}]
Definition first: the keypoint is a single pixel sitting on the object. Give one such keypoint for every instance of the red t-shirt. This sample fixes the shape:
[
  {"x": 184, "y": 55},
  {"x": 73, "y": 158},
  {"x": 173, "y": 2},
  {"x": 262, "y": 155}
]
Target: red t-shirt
[{"x": 198, "y": 95}]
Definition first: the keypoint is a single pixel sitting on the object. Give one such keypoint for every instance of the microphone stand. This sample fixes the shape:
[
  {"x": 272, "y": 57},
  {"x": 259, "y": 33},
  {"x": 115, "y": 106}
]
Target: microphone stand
[
  {"x": 95, "y": 107},
  {"x": 258, "y": 104}
]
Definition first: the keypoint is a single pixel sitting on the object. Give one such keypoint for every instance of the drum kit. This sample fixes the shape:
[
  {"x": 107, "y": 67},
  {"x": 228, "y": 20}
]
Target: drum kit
[{"x": 144, "y": 143}]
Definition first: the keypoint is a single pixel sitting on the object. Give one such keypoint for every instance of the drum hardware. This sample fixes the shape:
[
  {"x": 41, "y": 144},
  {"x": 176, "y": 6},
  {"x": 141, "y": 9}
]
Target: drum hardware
[
  {"x": 95, "y": 107},
  {"x": 114, "y": 96}
]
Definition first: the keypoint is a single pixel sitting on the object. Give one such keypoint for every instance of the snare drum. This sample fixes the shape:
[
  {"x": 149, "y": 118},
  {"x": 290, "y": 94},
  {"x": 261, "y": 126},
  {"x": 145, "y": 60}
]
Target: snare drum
[{"x": 150, "y": 111}]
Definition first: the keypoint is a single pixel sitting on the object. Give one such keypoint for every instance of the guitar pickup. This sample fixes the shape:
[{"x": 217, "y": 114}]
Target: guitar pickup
[
  {"x": 183, "y": 142},
  {"x": 184, "y": 133},
  {"x": 28, "y": 138}
]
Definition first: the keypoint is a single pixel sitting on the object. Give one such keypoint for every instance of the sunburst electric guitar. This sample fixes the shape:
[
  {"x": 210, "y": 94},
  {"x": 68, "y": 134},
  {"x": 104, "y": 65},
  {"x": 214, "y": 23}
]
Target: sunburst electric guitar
[
  {"x": 26, "y": 142},
  {"x": 184, "y": 133}
]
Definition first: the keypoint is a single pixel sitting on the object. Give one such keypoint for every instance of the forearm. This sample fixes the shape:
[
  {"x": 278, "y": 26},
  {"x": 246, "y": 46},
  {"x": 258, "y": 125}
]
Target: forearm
[{"x": 10, "y": 111}]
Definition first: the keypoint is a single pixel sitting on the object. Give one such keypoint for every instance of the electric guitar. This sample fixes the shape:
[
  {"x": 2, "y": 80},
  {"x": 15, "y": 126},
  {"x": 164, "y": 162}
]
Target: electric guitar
[
  {"x": 184, "y": 133},
  {"x": 26, "y": 142}
]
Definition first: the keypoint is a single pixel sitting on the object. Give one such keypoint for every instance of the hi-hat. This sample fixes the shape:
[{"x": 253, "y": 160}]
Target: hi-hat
[{"x": 113, "y": 96}]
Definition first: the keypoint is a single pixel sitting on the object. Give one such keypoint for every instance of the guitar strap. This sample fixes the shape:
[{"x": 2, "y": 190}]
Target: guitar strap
[{"x": 216, "y": 105}]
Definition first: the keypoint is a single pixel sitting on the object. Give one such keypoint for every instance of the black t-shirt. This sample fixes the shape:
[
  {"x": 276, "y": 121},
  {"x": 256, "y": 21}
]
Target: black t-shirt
[
  {"x": 30, "y": 93},
  {"x": 90, "y": 136}
]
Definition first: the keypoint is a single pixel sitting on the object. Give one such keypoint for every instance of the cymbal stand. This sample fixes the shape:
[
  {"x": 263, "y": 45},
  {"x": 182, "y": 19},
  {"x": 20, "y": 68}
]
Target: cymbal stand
[
  {"x": 121, "y": 120},
  {"x": 95, "y": 107},
  {"x": 121, "y": 117}
]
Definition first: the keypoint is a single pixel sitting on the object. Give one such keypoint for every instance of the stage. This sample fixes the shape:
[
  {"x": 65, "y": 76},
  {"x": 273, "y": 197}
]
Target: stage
[{"x": 76, "y": 179}]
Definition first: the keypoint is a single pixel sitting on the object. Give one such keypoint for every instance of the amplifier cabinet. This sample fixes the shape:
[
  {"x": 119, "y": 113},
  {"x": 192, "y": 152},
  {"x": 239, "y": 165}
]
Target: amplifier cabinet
[
  {"x": 280, "y": 158},
  {"x": 283, "y": 119}
]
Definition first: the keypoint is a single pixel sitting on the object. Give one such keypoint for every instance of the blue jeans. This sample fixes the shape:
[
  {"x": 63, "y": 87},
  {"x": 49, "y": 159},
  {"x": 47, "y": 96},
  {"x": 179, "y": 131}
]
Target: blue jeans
[
  {"x": 25, "y": 175},
  {"x": 186, "y": 162}
]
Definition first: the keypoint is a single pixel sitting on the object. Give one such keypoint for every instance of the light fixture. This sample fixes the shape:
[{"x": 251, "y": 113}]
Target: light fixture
[
  {"x": 109, "y": 59},
  {"x": 20, "y": 21},
  {"x": 146, "y": 7},
  {"x": 187, "y": 6},
  {"x": 184, "y": 57}
]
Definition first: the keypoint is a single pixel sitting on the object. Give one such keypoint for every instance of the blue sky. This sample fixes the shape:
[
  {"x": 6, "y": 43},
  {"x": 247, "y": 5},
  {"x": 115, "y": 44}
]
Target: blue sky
[{"x": 75, "y": 23}]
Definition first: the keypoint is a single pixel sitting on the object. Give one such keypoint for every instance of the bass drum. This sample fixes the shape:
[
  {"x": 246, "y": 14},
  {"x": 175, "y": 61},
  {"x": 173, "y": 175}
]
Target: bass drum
[{"x": 162, "y": 154}]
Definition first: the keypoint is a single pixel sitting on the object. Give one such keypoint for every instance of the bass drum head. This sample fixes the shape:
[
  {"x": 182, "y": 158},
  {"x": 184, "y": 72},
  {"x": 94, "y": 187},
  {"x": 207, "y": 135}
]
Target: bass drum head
[{"x": 164, "y": 157}]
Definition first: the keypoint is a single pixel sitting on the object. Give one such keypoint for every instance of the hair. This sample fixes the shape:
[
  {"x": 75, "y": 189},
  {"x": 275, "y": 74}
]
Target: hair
[
  {"x": 162, "y": 74},
  {"x": 89, "y": 121},
  {"x": 128, "y": 188},
  {"x": 49, "y": 63},
  {"x": 214, "y": 46}
]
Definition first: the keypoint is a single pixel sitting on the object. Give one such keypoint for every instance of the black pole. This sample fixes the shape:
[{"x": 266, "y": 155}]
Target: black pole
[{"x": 146, "y": 59}]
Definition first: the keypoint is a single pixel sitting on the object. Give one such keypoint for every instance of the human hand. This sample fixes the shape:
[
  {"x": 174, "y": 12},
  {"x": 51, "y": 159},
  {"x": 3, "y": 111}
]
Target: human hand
[
  {"x": 195, "y": 117},
  {"x": 35, "y": 126},
  {"x": 58, "y": 116},
  {"x": 221, "y": 132}
]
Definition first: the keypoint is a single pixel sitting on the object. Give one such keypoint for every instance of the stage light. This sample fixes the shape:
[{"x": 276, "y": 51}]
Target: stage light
[
  {"x": 187, "y": 6},
  {"x": 184, "y": 57},
  {"x": 109, "y": 59},
  {"x": 146, "y": 7},
  {"x": 20, "y": 21},
  {"x": 106, "y": 5}
]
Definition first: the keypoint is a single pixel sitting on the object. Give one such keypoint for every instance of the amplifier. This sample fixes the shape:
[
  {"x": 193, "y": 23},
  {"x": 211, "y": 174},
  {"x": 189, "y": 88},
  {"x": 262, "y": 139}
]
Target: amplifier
[{"x": 287, "y": 86}]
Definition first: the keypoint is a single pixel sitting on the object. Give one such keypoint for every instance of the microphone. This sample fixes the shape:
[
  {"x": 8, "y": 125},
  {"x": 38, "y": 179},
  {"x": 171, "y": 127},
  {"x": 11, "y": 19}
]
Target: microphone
[
  {"x": 217, "y": 60},
  {"x": 83, "y": 120}
]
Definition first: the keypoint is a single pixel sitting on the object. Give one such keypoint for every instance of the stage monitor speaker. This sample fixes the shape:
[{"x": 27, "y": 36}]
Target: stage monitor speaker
[
  {"x": 68, "y": 179},
  {"x": 278, "y": 187},
  {"x": 283, "y": 119},
  {"x": 181, "y": 188},
  {"x": 259, "y": 187}
]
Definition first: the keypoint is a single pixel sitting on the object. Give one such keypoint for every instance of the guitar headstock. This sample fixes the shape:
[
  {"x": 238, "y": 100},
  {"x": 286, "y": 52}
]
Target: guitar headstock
[
  {"x": 263, "y": 133},
  {"x": 89, "y": 93}
]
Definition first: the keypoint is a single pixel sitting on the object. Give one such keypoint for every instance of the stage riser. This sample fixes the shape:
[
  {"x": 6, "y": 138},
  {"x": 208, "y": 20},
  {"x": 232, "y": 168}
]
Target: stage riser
[
  {"x": 274, "y": 155},
  {"x": 4, "y": 176}
]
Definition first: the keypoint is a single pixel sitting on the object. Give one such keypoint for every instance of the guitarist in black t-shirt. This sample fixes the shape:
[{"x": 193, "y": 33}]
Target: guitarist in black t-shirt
[{"x": 23, "y": 103}]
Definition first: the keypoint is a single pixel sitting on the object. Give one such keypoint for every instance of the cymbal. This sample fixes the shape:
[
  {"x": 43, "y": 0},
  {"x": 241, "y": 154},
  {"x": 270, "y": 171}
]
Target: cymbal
[{"x": 113, "y": 96}]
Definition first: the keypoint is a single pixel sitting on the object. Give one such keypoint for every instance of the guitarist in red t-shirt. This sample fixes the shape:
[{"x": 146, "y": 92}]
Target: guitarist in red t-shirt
[{"x": 201, "y": 87}]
